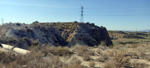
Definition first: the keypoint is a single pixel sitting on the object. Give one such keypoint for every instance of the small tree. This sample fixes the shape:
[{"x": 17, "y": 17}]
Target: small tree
[
  {"x": 75, "y": 21},
  {"x": 35, "y": 22}
]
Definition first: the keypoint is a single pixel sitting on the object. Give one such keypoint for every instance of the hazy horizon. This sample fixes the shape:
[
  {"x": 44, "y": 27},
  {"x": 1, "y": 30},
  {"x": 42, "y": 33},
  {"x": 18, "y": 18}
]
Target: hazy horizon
[{"x": 112, "y": 14}]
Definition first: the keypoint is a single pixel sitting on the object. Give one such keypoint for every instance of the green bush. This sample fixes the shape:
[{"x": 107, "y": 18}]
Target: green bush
[{"x": 62, "y": 51}]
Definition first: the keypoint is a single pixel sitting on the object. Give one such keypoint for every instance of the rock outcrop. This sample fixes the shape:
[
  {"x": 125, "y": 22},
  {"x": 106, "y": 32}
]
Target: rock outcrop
[{"x": 64, "y": 34}]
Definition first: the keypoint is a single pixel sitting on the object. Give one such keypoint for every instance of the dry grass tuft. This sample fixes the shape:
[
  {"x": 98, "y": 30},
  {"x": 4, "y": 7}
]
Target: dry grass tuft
[
  {"x": 92, "y": 64},
  {"x": 111, "y": 64},
  {"x": 87, "y": 57},
  {"x": 75, "y": 64},
  {"x": 81, "y": 50},
  {"x": 7, "y": 57}
]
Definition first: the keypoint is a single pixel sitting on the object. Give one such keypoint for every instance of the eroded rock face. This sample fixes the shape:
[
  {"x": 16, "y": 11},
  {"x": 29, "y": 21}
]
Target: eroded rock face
[
  {"x": 87, "y": 34},
  {"x": 64, "y": 34}
]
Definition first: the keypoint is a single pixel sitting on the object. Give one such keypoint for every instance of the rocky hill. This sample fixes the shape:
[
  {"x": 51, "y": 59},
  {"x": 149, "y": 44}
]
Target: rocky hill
[
  {"x": 58, "y": 34},
  {"x": 132, "y": 35}
]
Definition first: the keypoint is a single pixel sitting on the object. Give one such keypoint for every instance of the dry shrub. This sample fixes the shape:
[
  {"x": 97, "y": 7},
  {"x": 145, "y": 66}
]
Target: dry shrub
[
  {"x": 101, "y": 59},
  {"x": 147, "y": 57},
  {"x": 74, "y": 63},
  {"x": 47, "y": 50},
  {"x": 104, "y": 56},
  {"x": 91, "y": 64},
  {"x": 80, "y": 49},
  {"x": 103, "y": 43},
  {"x": 102, "y": 47},
  {"x": 51, "y": 57},
  {"x": 2, "y": 65},
  {"x": 142, "y": 50},
  {"x": 133, "y": 45},
  {"x": 122, "y": 56},
  {"x": 91, "y": 53},
  {"x": 35, "y": 59},
  {"x": 121, "y": 59},
  {"x": 74, "y": 66},
  {"x": 51, "y": 62},
  {"x": 84, "y": 52},
  {"x": 58, "y": 51},
  {"x": 118, "y": 58},
  {"x": 140, "y": 66},
  {"x": 75, "y": 60},
  {"x": 111, "y": 64},
  {"x": 7, "y": 58},
  {"x": 87, "y": 57},
  {"x": 63, "y": 51}
]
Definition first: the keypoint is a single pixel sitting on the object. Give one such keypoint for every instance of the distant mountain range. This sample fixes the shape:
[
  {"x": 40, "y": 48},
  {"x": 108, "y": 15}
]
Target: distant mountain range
[{"x": 146, "y": 30}]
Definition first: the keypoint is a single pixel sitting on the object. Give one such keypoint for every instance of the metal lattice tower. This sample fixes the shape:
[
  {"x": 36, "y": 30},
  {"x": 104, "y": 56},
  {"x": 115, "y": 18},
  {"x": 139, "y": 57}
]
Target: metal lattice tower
[{"x": 82, "y": 13}]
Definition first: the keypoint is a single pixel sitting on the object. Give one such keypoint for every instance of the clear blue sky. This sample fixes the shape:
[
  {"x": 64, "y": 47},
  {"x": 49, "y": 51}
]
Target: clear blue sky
[{"x": 112, "y": 14}]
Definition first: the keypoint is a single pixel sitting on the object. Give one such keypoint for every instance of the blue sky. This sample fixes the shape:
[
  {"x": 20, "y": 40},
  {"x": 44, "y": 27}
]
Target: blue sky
[{"x": 112, "y": 14}]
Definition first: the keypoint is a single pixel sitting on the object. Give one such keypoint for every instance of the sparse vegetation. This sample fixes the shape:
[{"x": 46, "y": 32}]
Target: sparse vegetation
[
  {"x": 79, "y": 56},
  {"x": 126, "y": 53}
]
